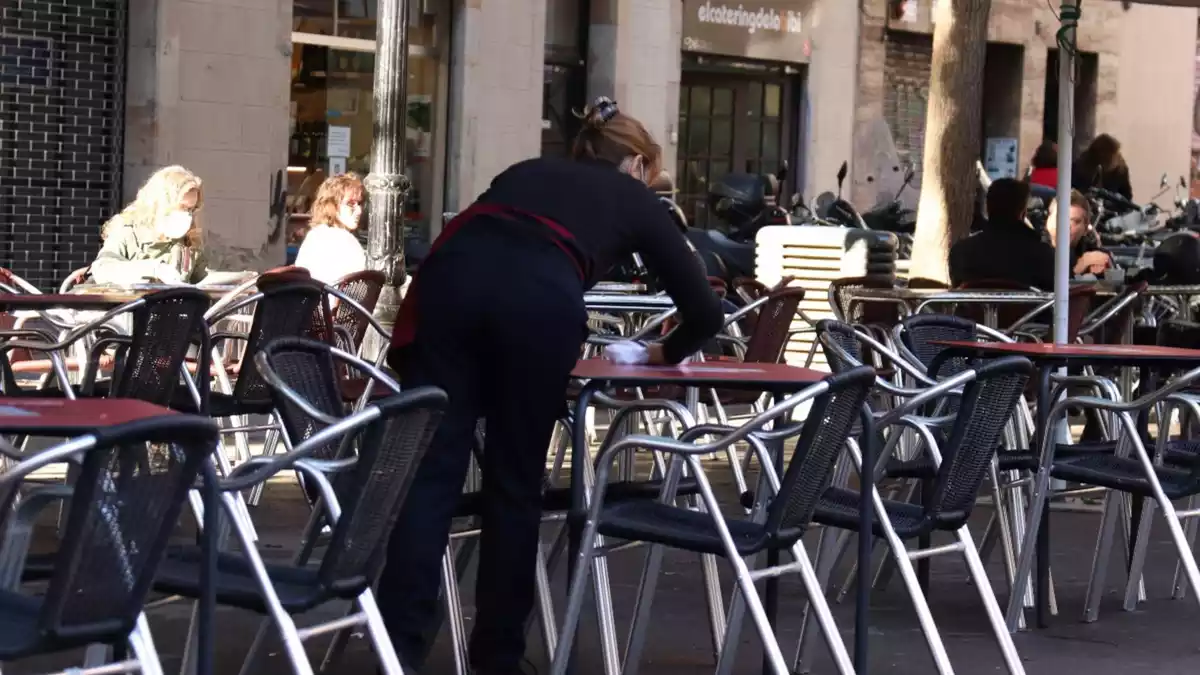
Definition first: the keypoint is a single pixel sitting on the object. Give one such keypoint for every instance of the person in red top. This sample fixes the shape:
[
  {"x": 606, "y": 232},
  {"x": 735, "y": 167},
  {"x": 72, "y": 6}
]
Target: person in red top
[
  {"x": 496, "y": 318},
  {"x": 1045, "y": 165}
]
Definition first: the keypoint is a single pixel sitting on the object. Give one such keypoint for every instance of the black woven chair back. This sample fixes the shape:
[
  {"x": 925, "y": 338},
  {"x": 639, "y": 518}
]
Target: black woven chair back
[
  {"x": 389, "y": 450},
  {"x": 285, "y": 310},
  {"x": 350, "y": 325},
  {"x": 840, "y": 344},
  {"x": 986, "y": 406},
  {"x": 840, "y": 292},
  {"x": 388, "y": 456},
  {"x": 124, "y": 508},
  {"x": 921, "y": 331},
  {"x": 810, "y": 470},
  {"x": 164, "y": 329},
  {"x": 308, "y": 368}
]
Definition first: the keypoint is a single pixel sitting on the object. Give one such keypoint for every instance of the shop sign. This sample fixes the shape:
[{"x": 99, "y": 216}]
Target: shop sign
[{"x": 772, "y": 30}]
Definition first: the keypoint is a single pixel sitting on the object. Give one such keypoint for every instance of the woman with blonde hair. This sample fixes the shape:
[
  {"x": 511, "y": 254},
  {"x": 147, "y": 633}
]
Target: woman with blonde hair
[
  {"x": 156, "y": 238},
  {"x": 496, "y": 318},
  {"x": 330, "y": 250}
]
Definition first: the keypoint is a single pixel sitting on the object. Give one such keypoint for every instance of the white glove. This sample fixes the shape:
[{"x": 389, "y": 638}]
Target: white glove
[{"x": 627, "y": 353}]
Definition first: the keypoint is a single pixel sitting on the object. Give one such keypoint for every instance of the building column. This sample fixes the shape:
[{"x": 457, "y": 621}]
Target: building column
[
  {"x": 495, "y": 106},
  {"x": 830, "y": 91},
  {"x": 207, "y": 88},
  {"x": 634, "y": 57}
]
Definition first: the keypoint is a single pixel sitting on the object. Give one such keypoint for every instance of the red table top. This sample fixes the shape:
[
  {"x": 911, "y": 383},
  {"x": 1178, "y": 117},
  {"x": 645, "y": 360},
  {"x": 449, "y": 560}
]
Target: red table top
[
  {"x": 103, "y": 301},
  {"x": 1122, "y": 353},
  {"x": 57, "y": 416},
  {"x": 714, "y": 373}
]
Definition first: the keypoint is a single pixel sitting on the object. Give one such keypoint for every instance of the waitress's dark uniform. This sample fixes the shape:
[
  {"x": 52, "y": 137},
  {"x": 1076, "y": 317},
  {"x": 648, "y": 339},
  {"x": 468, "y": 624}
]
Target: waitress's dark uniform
[{"x": 496, "y": 318}]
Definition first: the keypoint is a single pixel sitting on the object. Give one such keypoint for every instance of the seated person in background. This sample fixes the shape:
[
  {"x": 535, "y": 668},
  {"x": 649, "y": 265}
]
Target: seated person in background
[
  {"x": 1087, "y": 257},
  {"x": 1005, "y": 248},
  {"x": 1044, "y": 167},
  {"x": 156, "y": 238},
  {"x": 330, "y": 250}
]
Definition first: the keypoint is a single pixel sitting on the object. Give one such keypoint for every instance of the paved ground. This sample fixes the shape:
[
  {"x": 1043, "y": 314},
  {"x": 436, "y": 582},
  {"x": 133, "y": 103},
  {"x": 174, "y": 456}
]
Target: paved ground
[{"x": 1160, "y": 637}]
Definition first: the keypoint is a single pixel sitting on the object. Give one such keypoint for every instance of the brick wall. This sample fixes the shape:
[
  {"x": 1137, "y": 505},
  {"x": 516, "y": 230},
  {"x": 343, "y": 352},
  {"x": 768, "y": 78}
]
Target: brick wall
[
  {"x": 907, "y": 67},
  {"x": 61, "y": 88}
]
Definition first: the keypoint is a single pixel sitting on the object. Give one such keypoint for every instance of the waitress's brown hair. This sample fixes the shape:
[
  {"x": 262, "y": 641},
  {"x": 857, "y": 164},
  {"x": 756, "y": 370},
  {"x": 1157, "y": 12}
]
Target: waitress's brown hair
[{"x": 612, "y": 136}]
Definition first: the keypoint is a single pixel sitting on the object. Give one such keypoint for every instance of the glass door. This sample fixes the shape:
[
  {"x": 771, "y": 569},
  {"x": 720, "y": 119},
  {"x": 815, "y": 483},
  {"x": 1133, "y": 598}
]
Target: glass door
[
  {"x": 729, "y": 122},
  {"x": 706, "y": 144}
]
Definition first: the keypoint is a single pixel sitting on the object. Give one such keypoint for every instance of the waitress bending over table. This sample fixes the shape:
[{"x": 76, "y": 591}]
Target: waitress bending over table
[{"x": 501, "y": 325}]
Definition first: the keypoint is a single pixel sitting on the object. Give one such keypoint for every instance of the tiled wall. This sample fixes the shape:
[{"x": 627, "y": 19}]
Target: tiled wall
[{"x": 61, "y": 78}]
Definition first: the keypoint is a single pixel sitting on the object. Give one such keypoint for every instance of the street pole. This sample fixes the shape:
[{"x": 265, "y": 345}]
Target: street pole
[{"x": 386, "y": 185}]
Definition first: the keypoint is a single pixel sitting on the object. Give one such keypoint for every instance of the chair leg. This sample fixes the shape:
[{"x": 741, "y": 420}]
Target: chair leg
[
  {"x": 816, "y": 602},
  {"x": 545, "y": 600},
  {"x": 990, "y": 606},
  {"x": 141, "y": 643},
  {"x": 575, "y": 597},
  {"x": 1016, "y": 605},
  {"x": 1104, "y": 541},
  {"x": 454, "y": 612},
  {"x": 733, "y": 631},
  {"x": 908, "y": 575},
  {"x": 251, "y": 665},
  {"x": 1179, "y": 584},
  {"x": 1180, "y": 541},
  {"x": 640, "y": 625},
  {"x": 385, "y": 651},
  {"x": 828, "y": 550},
  {"x": 270, "y": 444},
  {"x": 1134, "y": 582}
]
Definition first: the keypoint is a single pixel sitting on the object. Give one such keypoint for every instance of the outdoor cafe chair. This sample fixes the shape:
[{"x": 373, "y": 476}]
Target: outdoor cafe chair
[
  {"x": 848, "y": 347},
  {"x": 132, "y": 483},
  {"x": 148, "y": 364},
  {"x": 359, "y": 491},
  {"x": 1131, "y": 470},
  {"x": 284, "y": 305},
  {"x": 836, "y": 404},
  {"x": 989, "y": 395},
  {"x": 311, "y": 370}
]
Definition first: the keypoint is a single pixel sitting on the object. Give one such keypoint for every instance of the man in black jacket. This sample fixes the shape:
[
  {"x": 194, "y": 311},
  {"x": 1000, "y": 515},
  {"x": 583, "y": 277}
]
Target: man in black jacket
[{"x": 1006, "y": 249}]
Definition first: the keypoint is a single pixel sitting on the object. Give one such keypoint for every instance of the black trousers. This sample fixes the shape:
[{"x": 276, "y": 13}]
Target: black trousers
[{"x": 501, "y": 323}]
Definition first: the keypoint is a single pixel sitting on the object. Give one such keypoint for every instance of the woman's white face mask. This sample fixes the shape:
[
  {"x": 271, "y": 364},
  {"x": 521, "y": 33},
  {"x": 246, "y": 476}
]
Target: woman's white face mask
[{"x": 175, "y": 225}]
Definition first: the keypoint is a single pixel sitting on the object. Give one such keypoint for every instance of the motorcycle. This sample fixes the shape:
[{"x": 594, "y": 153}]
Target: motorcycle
[
  {"x": 834, "y": 210},
  {"x": 744, "y": 203}
]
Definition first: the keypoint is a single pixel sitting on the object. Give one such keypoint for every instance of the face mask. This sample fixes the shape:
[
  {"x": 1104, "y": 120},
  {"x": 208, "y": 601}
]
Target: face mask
[{"x": 176, "y": 225}]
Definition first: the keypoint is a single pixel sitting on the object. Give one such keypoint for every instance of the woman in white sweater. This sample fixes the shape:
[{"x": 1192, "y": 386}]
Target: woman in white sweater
[{"x": 330, "y": 250}]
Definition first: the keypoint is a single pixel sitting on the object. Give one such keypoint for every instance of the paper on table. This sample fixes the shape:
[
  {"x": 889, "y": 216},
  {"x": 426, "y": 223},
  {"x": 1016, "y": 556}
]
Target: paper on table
[
  {"x": 225, "y": 278},
  {"x": 627, "y": 353}
]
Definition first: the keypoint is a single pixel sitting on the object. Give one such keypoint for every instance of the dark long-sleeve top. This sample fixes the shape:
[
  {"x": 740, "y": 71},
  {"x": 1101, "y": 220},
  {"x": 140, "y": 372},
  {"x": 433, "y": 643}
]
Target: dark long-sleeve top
[
  {"x": 1116, "y": 181},
  {"x": 610, "y": 216},
  {"x": 1003, "y": 251}
]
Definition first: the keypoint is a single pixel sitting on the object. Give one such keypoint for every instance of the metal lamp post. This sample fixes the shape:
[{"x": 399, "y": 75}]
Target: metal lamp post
[{"x": 386, "y": 185}]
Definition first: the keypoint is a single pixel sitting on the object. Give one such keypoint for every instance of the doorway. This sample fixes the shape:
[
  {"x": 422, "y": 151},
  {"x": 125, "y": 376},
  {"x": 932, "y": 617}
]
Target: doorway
[{"x": 730, "y": 123}]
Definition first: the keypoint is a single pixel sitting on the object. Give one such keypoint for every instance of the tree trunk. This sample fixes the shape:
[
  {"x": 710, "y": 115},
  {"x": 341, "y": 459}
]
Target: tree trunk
[{"x": 953, "y": 124}]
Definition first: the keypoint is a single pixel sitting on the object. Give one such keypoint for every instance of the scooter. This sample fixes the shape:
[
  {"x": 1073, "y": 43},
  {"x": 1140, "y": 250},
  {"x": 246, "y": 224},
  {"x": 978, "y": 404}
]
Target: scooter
[
  {"x": 891, "y": 217},
  {"x": 745, "y": 203}
]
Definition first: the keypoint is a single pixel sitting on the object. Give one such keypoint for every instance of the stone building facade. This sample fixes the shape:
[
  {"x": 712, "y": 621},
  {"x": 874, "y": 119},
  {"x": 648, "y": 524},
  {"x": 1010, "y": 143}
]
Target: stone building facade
[{"x": 264, "y": 97}]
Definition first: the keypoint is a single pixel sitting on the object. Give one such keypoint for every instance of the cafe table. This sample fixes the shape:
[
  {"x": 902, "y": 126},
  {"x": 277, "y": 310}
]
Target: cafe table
[
  {"x": 774, "y": 378},
  {"x": 1047, "y": 358},
  {"x": 29, "y": 416}
]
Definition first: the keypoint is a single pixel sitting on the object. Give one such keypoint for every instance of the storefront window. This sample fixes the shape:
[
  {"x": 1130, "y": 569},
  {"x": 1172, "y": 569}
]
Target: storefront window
[
  {"x": 332, "y": 101},
  {"x": 356, "y": 19}
]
